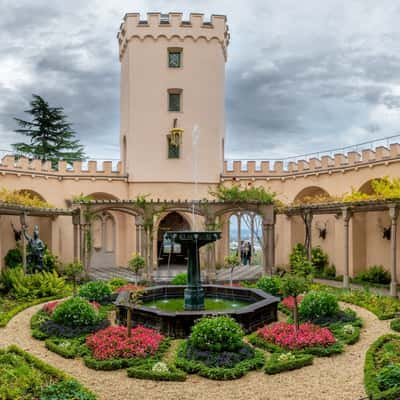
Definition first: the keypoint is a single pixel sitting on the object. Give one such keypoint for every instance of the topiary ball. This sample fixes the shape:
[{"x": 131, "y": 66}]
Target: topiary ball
[
  {"x": 217, "y": 334},
  {"x": 76, "y": 312},
  {"x": 318, "y": 304},
  {"x": 96, "y": 291}
]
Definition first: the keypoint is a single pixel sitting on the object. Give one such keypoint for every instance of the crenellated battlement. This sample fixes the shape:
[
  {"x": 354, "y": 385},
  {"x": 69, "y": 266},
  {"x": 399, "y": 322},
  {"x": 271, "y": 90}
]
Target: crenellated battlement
[
  {"x": 91, "y": 169},
  {"x": 339, "y": 161},
  {"x": 172, "y": 25}
]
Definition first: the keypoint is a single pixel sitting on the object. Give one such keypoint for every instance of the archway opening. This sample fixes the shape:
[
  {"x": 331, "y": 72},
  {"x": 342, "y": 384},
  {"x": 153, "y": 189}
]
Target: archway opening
[
  {"x": 311, "y": 194},
  {"x": 169, "y": 253}
]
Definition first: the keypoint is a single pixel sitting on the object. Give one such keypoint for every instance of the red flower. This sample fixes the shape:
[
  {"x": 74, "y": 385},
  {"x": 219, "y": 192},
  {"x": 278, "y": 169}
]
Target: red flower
[
  {"x": 129, "y": 287},
  {"x": 113, "y": 342},
  {"x": 288, "y": 302},
  {"x": 50, "y": 307},
  {"x": 308, "y": 335}
]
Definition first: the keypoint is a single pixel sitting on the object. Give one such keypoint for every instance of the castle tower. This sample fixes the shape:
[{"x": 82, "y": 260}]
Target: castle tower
[{"x": 172, "y": 83}]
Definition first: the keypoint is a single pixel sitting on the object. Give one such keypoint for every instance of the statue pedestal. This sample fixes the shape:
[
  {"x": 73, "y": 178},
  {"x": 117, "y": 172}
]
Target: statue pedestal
[
  {"x": 194, "y": 293},
  {"x": 194, "y": 298}
]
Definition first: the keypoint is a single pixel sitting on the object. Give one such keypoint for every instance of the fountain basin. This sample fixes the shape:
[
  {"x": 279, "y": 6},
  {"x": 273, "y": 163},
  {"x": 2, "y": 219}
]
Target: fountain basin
[{"x": 257, "y": 308}]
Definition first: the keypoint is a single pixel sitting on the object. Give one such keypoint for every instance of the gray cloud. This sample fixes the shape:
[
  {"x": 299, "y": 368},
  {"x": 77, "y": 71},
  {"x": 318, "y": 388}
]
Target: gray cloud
[{"x": 300, "y": 77}]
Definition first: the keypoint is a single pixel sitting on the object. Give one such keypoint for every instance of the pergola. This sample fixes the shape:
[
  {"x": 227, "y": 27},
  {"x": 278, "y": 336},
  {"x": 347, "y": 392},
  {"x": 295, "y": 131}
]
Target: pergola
[
  {"x": 23, "y": 212},
  {"x": 346, "y": 210},
  {"x": 145, "y": 213}
]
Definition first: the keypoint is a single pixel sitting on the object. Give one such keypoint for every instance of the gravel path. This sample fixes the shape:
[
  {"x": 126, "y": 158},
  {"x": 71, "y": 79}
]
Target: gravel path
[{"x": 336, "y": 378}]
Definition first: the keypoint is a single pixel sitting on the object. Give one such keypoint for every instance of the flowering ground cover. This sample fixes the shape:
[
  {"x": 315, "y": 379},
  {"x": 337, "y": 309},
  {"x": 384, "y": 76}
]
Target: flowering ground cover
[
  {"x": 113, "y": 342},
  {"x": 285, "y": 336}
]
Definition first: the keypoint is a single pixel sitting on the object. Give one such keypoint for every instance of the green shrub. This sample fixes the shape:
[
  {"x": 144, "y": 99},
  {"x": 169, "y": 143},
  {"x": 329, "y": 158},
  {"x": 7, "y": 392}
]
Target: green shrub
[
  {"x": 329, "y": 272},
  {"x": 375, "y": 274},
  {"x": 32, "y": 286},
  {"x": 75, "y": 312},
  {"x": 319, "y": 259},
  {"x": 217, "y": 334},
  {"x": 50, "y": 261},
  {"x": 180, "y": 279},
  {"x": 67, "y": 348},
  {"x": 318, "y": 304},
  {"x": 389, "y": 377},
  {"x": 382, "y": 353},
  {"x": 395, "y": 325},
  {"x": 170, "y": 373},
  {"x": 69, "y": 389},
  {"x": 116, "y": 283},
  {"x": 98, "y": 291},
  {"x": 13, "y": 258},
  {"x": 270, "y": 284},
  {"x": 280, "y": 362}
]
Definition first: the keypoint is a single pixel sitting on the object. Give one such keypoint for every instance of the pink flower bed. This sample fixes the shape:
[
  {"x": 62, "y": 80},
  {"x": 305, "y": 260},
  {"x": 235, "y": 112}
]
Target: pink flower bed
[
  {"x": 284, "y": 335},
  {"x": 288, "y": 302},
  {"x": 50, "y": 307},
  {"x": 113, "y": 342},
  {"x": 129, "y": 286}
]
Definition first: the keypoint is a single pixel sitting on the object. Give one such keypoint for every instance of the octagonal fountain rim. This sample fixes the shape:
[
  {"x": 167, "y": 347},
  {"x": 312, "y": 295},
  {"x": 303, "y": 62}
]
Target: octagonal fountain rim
[{"x": 264, "y": 299}]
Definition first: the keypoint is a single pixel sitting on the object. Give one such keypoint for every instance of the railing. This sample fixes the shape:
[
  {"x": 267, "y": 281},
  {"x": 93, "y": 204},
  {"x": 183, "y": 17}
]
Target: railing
[{"x": 372, "y": 144}]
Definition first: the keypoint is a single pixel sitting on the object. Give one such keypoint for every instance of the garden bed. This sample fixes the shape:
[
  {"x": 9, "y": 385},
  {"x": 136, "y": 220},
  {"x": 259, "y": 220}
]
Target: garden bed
[
  {"x": 382, "y": 369},
  {"x": 23, "y": 376}
]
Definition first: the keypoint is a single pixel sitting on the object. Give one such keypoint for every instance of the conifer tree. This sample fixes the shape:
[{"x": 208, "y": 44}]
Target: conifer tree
[{"x": 51, "y": 137}]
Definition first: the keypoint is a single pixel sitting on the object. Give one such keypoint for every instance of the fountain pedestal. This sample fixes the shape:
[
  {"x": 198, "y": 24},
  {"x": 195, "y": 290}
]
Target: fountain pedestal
[{"x": 194, "y": 293}]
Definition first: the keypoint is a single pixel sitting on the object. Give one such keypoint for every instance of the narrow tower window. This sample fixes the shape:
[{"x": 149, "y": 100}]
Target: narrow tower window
[
  {"x": 174, "y": 100},
  {"x": 174, "y": 57}
]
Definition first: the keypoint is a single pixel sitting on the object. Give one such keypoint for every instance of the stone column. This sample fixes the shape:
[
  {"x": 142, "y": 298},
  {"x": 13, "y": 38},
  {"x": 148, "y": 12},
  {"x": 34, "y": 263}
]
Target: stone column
[
  {"x": 239, "y": 226},
  {"x": 308, "y": 221},
  {"x": 75, "y": 222},
  {"x": 393, "y": 213},
  {"x": 139, "y": 230},
  {"x": 268, "y": 247},
  {"x": 210, "y": 254},
  {"x": 22, "y": 219},
  {"x": 346, "y": 213}
]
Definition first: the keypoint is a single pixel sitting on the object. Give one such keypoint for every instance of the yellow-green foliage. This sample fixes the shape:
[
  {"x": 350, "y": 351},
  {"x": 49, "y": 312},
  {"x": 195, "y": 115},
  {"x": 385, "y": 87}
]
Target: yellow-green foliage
[
  {"x": 382, "y": 188},
  {"x": 23, "y": 198},
  {"x": 236, "y": 193}
]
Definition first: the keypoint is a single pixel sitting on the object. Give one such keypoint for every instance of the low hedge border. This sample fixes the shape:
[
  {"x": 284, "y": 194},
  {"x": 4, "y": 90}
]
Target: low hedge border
[
  {"x": 41, "y": 365},
  {"x": 342, "y": 337},
  {"x": 318, "y": 351},
  {"x": 395, "y": 325},
  {"x": 146, "y": 372},
  {"x": 240, "y": 369},
  {"x": 121, "y": 363},
  {"x": 370, "y": 372},
  {"x": 72, "y": 351},
  {"x": 274, "y": 366},
  {"x": 6, "y": 317}
]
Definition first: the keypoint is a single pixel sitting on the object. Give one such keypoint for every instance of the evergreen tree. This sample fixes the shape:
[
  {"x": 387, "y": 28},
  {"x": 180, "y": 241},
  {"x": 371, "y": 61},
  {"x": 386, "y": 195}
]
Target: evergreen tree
[{"x": 51, "y": 136}]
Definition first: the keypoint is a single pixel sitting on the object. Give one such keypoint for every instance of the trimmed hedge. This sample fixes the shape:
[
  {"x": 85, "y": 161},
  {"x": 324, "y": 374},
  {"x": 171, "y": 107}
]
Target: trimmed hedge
[
  {"x": 274, "y": 365},
  {"x": 146, "y": 372},
  {"x": 196, "y": 367},
  {"x": 371, "y": 372},
  {"x": 318, "y": 351},
  {"x": 67, "y": 348},
  {"x": 44, "y": 367},
  {"x": 395, "y": 325},
  {"x": 5, "y": 317},
  {"x": 120, "y": 363}
]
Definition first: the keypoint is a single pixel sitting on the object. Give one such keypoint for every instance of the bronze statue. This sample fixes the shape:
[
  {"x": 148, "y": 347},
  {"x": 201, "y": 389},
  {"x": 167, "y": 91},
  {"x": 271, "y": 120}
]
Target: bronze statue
[{"x": 36, "y": 249}]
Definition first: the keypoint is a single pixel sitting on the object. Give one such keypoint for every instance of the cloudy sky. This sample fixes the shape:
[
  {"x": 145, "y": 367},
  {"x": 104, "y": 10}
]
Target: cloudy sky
[{"x": 302, "y": 76}]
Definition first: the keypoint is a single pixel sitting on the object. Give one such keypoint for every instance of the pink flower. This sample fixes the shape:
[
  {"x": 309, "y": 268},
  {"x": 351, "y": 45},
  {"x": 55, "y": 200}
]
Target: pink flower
[
  {"x": 288, "y": 302},
  {"x": 128, "y": 287},
  {"x": 113, "y": 342},
  {"x": 308, "y": 335},
  {"x": 50, "y": 307}
]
